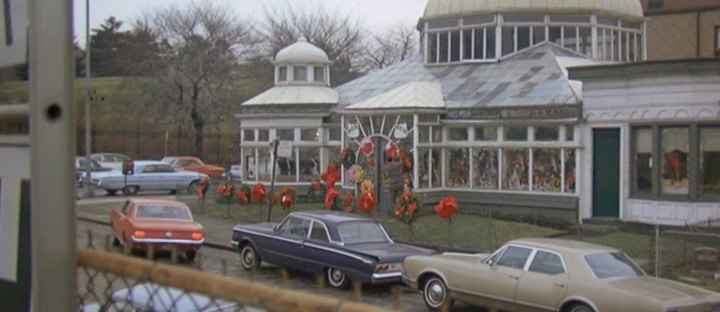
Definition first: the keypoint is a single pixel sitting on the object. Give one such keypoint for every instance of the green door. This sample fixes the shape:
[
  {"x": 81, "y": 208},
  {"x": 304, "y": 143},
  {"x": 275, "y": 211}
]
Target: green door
[{"x": 606, "y": 173}]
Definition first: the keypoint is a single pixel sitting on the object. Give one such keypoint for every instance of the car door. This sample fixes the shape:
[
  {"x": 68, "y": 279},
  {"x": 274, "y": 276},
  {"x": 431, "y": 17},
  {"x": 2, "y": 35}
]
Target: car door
[
  {"x": 497, "y": 278},
  {"x": 544, "y": 285},
  {"x": 287, "y": 248},
  {"x": 317, "y": 250},
  {"x": 147, "y": 178}
]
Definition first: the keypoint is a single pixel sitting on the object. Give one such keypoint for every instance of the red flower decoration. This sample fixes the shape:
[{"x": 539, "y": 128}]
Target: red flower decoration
[
  {"x": 330, "y": 196},
  {"x": 225, "y": 190},
  {"x": 367, "y": 147},
  {"x": 391, "y": 151},
  {"x": 407, "y": 162},
  {"x": 330, "y": 176},
  {"x": 287, "y": 197},
  {"x": 407, "y": 207},
  {"x": 258, "y": 193},
  {"x": 446, "y": 208},
  {"x": 315, "y": 186},
  {"x": 241, "y": 197},
  {"x": 367, "y": 202}
]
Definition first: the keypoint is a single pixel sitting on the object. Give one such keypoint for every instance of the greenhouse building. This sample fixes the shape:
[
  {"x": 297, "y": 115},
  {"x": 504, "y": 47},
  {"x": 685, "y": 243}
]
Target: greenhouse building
[{"x": 485, "y": 112}]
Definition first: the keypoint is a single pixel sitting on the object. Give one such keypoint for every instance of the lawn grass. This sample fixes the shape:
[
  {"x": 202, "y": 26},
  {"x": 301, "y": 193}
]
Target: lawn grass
[{"x": 469, "y": 232}]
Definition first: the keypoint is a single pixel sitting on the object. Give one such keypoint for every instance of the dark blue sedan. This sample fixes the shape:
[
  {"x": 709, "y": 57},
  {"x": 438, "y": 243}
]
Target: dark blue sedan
[{"x": 341, "y": 246}]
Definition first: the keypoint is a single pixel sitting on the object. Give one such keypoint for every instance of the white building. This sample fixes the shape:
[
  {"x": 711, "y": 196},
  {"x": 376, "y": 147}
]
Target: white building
[
  {"x": 485, "y": 112},
  {"x": 653, "y": 133}
]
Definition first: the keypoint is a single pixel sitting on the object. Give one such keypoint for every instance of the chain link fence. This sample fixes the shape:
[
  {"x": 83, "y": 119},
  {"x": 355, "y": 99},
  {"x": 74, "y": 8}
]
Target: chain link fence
[
  {"x": 110, "y": 281},
  {"x": 689, "y": 253}
]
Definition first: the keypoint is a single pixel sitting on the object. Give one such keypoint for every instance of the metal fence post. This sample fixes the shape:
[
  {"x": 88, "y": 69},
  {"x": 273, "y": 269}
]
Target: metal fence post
[
  {"x": 657, "y": 250},
  {"x": 52, "y": 150}
]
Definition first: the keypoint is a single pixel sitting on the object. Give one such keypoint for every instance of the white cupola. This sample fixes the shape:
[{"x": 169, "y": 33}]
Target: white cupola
[{"x": 302, "y": 64}]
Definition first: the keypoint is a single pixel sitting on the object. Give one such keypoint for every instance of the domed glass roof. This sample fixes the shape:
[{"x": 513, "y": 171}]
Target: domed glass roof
[
  {"x": 624, "y": 9},
  {"x": 302, "y": 53}
]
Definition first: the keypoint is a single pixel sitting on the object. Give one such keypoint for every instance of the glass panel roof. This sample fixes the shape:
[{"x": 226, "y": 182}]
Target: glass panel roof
[{"x": 532, "y": 77}]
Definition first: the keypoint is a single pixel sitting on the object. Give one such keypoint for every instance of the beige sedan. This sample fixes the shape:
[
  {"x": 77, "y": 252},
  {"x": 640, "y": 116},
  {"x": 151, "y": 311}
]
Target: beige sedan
[{"x": 544, "y": 274}]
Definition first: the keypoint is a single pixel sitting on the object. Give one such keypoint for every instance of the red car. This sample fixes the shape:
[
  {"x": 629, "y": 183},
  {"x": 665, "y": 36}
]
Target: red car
[
  {"x": 163, "y": 224},
  {"x": 194, "y": 164}
]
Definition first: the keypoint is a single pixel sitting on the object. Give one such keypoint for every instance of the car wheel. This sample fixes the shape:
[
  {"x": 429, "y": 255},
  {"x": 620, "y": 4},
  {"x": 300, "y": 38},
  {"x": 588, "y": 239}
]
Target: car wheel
[
  {"x": 190, "y": 256},
  {"x": 249, "y": 258},
  {"x": 579, "y": 307},
  {"x": 115, "y": 241},
  {"x": 193, "y": 187},
  {"x": 337, "y": 278},
  {"x": 435, "y": 294},
  {"x": 131, "y": 190}
]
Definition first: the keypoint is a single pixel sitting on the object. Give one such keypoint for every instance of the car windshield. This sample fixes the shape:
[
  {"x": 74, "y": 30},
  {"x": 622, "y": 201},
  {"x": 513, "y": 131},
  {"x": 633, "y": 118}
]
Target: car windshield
[
  {"x": 612, "y": 264},
  {"x": 163, "y": 212},
  {"x": 362, "y": 232}
]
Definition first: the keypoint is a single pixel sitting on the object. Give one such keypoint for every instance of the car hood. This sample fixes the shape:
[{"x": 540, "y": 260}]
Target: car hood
[
  {"x": 168, "y": 224},
  {"x": 394, "y": 252},
  {"x": 664, "y": 290}
]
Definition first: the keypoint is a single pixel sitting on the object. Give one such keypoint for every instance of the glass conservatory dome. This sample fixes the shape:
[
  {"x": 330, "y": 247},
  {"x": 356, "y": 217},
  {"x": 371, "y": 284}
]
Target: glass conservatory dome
[
  {"x": 462, "y": 31},
  {"x": 624, "y": 9}
]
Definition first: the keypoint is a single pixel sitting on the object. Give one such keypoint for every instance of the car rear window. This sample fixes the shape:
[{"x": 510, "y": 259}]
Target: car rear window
[
  {"x": 162, "y": 212},
  {"x": 612, "y": 264},
  {"x": 362, "y": 232}
]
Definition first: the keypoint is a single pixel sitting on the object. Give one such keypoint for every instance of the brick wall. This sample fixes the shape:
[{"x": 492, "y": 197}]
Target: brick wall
[
  {"x": 674, "y": 36},
  {"x": 708, "y": 21}
]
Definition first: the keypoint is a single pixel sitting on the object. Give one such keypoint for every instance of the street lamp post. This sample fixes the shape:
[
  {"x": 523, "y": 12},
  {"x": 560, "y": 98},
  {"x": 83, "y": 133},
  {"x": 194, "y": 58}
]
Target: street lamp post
[{"x": 89, "y": 189}]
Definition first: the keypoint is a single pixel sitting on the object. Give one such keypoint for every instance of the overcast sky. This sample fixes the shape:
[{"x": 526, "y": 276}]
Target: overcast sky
[{"x": 372, "y": 14}]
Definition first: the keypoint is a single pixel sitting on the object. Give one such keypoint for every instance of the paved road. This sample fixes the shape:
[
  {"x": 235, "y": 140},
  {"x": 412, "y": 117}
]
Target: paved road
[{"x": 93, "y": 214}]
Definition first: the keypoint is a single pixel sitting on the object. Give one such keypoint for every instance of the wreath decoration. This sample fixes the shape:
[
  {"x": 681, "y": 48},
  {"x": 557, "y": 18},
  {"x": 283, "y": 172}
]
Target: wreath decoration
[
  {"x": 287, "y": 198},
  {"x": 406, "y": 211},
  {"x": 258, "y": 193},
  {"x": 447, "y": 208},
  {"x": 367, "y": 147}
]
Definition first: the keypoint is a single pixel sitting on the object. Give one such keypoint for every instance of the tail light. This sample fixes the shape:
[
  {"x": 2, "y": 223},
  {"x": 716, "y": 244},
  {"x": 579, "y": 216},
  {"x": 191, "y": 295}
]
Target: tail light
[
  {"x": 197, "y": 236},
  {"x": 139, "y": 234},
  {"x": 388, "y": 267}
]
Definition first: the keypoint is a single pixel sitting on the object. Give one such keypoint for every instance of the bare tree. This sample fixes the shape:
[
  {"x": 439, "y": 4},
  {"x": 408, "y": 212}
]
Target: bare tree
[
  {"x": 200, "y": 49},
  {"x": 391, "y": 46},
  {"x": 337, "y": 34}
]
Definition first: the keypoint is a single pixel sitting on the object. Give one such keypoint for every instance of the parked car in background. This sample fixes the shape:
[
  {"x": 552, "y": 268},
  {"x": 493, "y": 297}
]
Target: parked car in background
[
  {"x": 236, "y": 172},
  {"x": 546, "y": 274},
  {"x": 149, "y": 175},
  {"x": 111, "y": 160},
  {"x": 160, "y": 298},
  {"x": 165, "y": 225},
  {"x": 81, "y": 168},
  {"x": 342, "y": 247},
  {"x": 194, "y": 164}
]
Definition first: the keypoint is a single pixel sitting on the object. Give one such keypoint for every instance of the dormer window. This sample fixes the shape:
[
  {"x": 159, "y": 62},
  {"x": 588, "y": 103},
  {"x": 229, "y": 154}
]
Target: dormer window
[
  {"x": 282, "y": 73},
  {"x": 319, "y": 74},
  {"x": 300, "y": 73}
]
